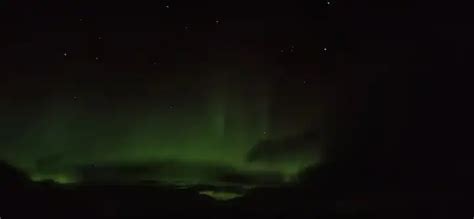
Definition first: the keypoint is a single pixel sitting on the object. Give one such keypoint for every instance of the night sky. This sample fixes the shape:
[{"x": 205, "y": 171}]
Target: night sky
[{"x": 236, "y": 91}]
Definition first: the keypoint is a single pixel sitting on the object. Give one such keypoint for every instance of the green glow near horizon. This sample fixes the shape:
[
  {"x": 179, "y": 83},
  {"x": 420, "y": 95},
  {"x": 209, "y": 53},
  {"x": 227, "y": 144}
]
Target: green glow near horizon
[
  {"x": 57, "y": 178},
  {"x": 219, "y": 130}
]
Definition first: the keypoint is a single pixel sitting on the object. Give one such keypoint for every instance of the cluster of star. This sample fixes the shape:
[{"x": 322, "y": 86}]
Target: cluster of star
[{"x": 290, "y": 48}]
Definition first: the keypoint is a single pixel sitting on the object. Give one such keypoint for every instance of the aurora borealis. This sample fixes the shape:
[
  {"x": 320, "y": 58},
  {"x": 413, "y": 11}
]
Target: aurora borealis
[
  {"x": 235, "y": 109},
  {"x": 220, "y": 118},
  {"x": 177, "y": 92}
]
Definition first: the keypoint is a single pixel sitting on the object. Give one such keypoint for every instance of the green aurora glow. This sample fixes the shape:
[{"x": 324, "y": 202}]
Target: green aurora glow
[{"x": 218, "y": 125}]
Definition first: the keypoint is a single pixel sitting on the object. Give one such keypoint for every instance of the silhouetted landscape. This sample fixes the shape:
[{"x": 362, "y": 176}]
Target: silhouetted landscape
[{"x": 332, "y": 191}]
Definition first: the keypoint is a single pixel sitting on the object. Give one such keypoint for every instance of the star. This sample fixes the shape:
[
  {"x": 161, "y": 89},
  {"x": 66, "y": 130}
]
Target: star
[
  {"x": 304, "y": 82},
  {"x": 65, "y": 54},
  {"x": 99, "y": 37},
  {"x": 282, "y": 51},
  {"x": 96, "y": 58},
  {"x": 217, "y": 21},
  {"x": 75, "y": 97},
  {"x": 292, "y": 48},
  {"x": 167, "y": 6},
  {"x": 328, "y": 2},
  {"x": 325, "y": 49}
]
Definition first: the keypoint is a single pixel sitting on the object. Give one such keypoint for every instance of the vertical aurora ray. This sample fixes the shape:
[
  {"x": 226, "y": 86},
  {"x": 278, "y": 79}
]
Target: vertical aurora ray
[
  {"x": 219, "y": 127},
  {"x": 219, "y": 105}
]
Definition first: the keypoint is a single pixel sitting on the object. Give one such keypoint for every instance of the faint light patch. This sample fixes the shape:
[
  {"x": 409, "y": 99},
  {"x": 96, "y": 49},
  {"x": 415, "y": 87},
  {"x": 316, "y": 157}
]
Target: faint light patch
[
  {"x": 57, "y": 178},
  {"x": 221, "y": 196}
]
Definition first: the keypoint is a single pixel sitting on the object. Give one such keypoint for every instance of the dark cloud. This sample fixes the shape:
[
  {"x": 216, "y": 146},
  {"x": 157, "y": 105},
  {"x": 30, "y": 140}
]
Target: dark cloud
[
  {"x": 252, "y": 178},
  {"x": 174, "y": 172},
  {"x": 11, "y": 176},
  {"x": 306, "y": 145}
]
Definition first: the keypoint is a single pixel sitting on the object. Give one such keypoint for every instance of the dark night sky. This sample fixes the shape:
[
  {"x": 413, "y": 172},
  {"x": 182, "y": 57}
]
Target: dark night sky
[{"x": 202, "y": 81}]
